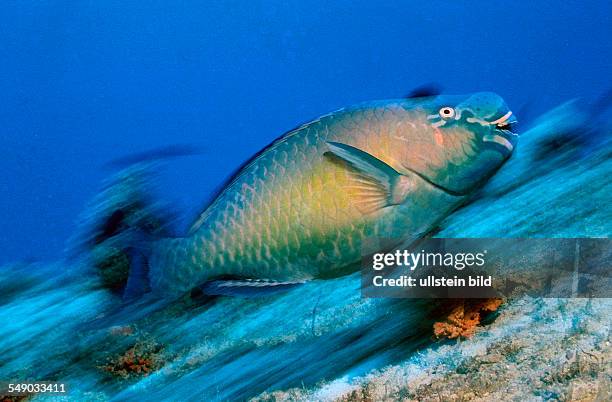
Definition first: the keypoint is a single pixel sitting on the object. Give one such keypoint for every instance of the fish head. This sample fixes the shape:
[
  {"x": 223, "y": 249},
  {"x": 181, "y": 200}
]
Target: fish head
[{"x": 466, "y": 138}]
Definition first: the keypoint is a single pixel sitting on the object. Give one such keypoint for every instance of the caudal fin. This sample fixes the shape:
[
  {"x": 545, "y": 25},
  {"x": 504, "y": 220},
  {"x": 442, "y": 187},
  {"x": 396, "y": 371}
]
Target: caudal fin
[{"x": 117, "y": 228}]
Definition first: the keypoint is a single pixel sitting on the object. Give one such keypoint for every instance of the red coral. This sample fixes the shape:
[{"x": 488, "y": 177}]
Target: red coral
[
  {"x": 464, "y": 318},
  {"x": 20, "y": 398},
  {"x": 139, "y": 360}
]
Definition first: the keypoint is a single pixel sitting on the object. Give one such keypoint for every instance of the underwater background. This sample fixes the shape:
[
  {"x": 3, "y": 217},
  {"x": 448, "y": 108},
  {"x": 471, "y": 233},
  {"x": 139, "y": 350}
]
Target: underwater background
[{"x": 84, "y": 83}]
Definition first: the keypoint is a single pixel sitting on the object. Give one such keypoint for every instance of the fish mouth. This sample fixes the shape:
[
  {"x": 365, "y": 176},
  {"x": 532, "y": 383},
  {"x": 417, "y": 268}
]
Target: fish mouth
[
  {"x": 502, "y": 138},
  {"x": 503, "y": 135}
]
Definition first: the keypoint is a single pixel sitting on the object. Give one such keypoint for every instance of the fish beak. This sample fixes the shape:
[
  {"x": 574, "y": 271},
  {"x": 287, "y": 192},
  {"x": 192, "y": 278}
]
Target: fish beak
[
  {"x": 498, "y": 139},
  {"x": 502, "y": 133},
  {"x": 502, "y": 120}
]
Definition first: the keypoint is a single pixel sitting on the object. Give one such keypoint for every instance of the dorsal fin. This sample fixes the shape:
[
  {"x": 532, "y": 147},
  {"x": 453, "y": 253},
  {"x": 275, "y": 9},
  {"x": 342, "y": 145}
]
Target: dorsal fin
[
  {"x": 167, "y": 152},
  {"x": 426, "y": 90}
]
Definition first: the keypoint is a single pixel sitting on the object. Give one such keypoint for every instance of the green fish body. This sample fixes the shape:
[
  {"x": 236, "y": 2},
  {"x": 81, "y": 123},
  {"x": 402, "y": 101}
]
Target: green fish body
[{"x": 303, "y": 208}]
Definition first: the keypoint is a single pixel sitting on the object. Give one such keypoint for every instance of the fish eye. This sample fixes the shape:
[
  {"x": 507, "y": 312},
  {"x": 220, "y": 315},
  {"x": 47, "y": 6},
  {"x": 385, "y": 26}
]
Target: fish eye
[{"x": 447, "y": 112}]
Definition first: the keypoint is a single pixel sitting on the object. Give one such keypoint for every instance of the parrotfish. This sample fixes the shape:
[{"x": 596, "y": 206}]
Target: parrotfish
[{"x": 303, "y": 207}]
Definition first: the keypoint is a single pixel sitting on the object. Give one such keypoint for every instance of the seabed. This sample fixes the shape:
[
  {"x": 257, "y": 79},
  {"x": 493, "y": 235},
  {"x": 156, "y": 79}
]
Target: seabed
[{"x": 323, "y": 341}]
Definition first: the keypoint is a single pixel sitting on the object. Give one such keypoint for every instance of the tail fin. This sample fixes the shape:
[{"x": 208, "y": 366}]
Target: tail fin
[{"x": 116, "y": 230}]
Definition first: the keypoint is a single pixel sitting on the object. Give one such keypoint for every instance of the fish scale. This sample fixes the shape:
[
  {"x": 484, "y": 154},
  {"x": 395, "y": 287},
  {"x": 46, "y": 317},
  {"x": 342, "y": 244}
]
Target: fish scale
[{"x": 303, "y": 208}]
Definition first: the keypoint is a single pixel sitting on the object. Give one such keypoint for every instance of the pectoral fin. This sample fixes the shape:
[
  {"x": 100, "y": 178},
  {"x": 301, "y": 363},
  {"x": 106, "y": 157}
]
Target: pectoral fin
[{"x": 376, "y": 184}]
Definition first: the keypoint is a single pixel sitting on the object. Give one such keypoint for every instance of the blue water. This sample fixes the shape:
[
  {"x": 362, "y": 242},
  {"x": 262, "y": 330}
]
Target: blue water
[{"x": 85, "y": 82}]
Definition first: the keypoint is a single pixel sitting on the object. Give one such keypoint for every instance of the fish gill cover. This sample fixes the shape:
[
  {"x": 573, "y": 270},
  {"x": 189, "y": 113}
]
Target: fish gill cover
[{"x": 124, "y": 83}]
